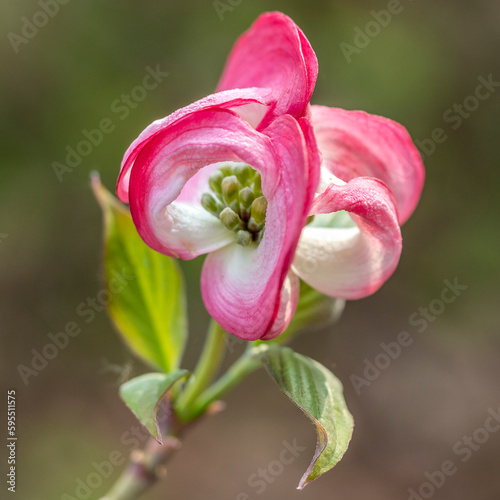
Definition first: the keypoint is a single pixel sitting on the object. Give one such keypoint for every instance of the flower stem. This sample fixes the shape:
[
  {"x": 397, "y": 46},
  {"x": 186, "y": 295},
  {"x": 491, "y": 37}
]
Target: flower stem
[
  {"x": 245, "y": 365},
  {"x": 147, "y": 467},
  {"x": 144, "y": 470},
  {"x": 205, "y": 371}
]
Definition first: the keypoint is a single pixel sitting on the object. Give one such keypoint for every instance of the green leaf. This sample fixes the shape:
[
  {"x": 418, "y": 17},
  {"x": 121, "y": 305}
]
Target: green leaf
[
  {"x": 144, "y": 394},
  {"x": 318, "y": 393},
  {"x": 147, "y": 304}
]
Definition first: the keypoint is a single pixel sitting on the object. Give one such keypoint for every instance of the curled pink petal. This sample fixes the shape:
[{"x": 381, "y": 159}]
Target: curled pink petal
[
  {"x": 244, "y": 288},
  {"x": 351, "y": 262},
  {"x": 261, "y": 116},
  {"x": 288, "y": 305},
  {"x": 355, "y": 143},
  {"x": 274, "y": 54},
  {"x": 168, "y": 161},
  {"x": 248, "y": 103}
]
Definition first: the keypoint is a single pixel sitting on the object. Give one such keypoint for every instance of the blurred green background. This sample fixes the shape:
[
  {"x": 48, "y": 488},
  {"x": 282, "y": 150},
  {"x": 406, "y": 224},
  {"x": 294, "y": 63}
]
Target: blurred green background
[{"x": 65, "y": 79}]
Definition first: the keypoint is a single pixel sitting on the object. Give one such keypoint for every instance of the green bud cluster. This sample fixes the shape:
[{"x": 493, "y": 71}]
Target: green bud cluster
[{"x": 236, "y": 199}]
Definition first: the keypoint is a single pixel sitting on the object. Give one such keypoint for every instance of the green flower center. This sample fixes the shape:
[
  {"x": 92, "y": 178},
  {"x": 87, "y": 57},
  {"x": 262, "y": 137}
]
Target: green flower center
[{"x": 235, "y": 197}]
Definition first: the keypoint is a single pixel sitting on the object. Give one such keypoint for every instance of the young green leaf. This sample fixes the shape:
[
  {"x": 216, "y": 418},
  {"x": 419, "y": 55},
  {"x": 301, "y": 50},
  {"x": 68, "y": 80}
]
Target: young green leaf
[
  {"x": 147, "y": 298},
  {"x": 318, "y": 393},
  {"x": 144, "y": 394}
]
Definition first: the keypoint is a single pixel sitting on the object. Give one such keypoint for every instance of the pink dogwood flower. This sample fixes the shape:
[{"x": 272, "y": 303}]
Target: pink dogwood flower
[{"x": 239, "y": 175}]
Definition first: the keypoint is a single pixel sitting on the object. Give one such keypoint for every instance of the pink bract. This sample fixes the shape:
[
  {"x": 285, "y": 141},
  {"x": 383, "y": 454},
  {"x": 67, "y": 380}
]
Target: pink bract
[{"x": 334, "y": 164}]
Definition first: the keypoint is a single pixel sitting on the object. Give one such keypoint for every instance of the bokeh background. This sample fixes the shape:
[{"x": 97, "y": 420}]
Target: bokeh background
[{"x": 409, "y": 419}]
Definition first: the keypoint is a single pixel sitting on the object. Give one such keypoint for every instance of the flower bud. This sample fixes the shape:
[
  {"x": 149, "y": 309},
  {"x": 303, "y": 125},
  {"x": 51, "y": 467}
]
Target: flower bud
[
  {"x": 209, "y": 203},
  {"x": 244, "y": 173},
  {"x": 257, "y": 185},
  {"x": 230, "y": 189},
  {"x": 231, "y": 219},
  {"x": 246, "y": 197},
  {"x": 258, "y": 210},
  {"x": 243, "y": 238},
  {"x": 226, "y": 170},
  {"x": 215, "y": 181}
]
